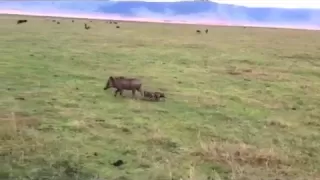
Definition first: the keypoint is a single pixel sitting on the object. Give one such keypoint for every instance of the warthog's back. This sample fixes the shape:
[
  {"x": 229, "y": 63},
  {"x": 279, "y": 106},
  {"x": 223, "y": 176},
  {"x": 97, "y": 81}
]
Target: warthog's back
[
  {"x": 135, "y": 81},
  {"x": 128, "y": 83}
]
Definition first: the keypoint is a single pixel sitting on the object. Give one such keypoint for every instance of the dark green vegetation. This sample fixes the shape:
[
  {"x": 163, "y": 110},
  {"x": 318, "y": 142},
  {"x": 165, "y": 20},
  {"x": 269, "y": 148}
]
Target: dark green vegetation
[{"x": 243, "y": 103}]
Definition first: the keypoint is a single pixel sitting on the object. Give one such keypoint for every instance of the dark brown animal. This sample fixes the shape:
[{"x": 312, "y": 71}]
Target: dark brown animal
[
  {"x": 148, "y": 94},
  {"x": 153, "y": 95},
  {"x": 159, "y": 94},
  {"x": 121, "y": 83},
  {"x": 198, "y": 31},
  {"x": 22, "y": 21},
  {"x": 207, "y": 31},
  {"x": 118, "y": 27},
  {"x": 58, "y": 22},
  {"x": 86, "y": 26},
  {"x": 72, "y": 20}
]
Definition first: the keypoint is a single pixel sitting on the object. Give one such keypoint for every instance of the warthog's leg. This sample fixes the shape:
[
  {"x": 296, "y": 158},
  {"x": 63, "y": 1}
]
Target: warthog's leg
[
  {"x": 116, "y": 92},
  {"x": 156, "y": 97},
  {"x": 121, "y": 92},
  {"x": 133, "y": 93},
  {"x": 140, "y": 90}
]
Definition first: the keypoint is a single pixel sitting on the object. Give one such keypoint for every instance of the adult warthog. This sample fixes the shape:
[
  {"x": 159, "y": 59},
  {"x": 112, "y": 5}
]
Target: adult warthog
[{"x": 121, "y": 83}]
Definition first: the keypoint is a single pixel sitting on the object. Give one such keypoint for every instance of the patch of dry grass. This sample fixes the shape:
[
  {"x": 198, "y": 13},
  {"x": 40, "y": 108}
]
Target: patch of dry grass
[{"x": 241, "y": 154}]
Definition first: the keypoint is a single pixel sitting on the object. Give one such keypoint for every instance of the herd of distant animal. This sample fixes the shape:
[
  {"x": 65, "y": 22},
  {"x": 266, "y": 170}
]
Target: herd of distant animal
[
  {"x": 121, "y": 83},
  {"x": 87, "y": 27}
]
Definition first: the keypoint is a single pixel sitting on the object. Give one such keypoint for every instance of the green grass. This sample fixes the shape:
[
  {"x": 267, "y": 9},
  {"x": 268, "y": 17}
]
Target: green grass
[{"x": 242, "y": 103}]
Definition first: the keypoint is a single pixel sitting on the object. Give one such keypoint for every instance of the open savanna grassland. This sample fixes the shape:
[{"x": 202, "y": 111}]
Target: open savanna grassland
[{"x": 242, "y": 103}]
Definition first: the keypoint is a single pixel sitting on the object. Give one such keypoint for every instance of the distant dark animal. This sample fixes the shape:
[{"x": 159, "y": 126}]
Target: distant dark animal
[
  {"x": 22, "y": 21},
  {"x": 58, "y": 22},
  {"x": 118, "y": 27},
  {"x": 121, "y": 83},
  {"x": 207, "y": 31},
  {"x": 72, "y": 20},
  {"x": 20, "y": 98},
  {"x": 53, "y": 20},
  {"x": 86, "y": 26},
  {"x": 118, "y": 163},
  {"x": 198, "y": 31}
]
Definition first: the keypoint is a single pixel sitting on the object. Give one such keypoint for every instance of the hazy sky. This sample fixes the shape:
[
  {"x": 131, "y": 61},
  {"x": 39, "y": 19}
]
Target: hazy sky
[
  {"x": 275, "y": 3},
  {"x": 315, "y": 4},
  {"x": 260, "y": 3}
]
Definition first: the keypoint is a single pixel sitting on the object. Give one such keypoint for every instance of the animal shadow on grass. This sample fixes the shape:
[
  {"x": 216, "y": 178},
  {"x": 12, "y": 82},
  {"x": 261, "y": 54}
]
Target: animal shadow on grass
[{"x": 147, "y": 99}]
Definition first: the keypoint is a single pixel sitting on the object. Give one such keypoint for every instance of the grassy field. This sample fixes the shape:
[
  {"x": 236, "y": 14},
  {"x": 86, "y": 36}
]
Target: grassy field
[{"x": 242, "y": 103}]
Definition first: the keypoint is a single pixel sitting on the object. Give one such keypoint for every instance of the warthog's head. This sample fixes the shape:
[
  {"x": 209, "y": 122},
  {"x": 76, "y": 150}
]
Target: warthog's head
[
  {"x": 109, "y": 83},
  {"x": 112, "y": 81}
]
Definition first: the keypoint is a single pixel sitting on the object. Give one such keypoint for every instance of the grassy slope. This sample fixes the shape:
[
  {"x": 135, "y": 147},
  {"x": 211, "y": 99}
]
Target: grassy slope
[{"x": 243, "y": 103}]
